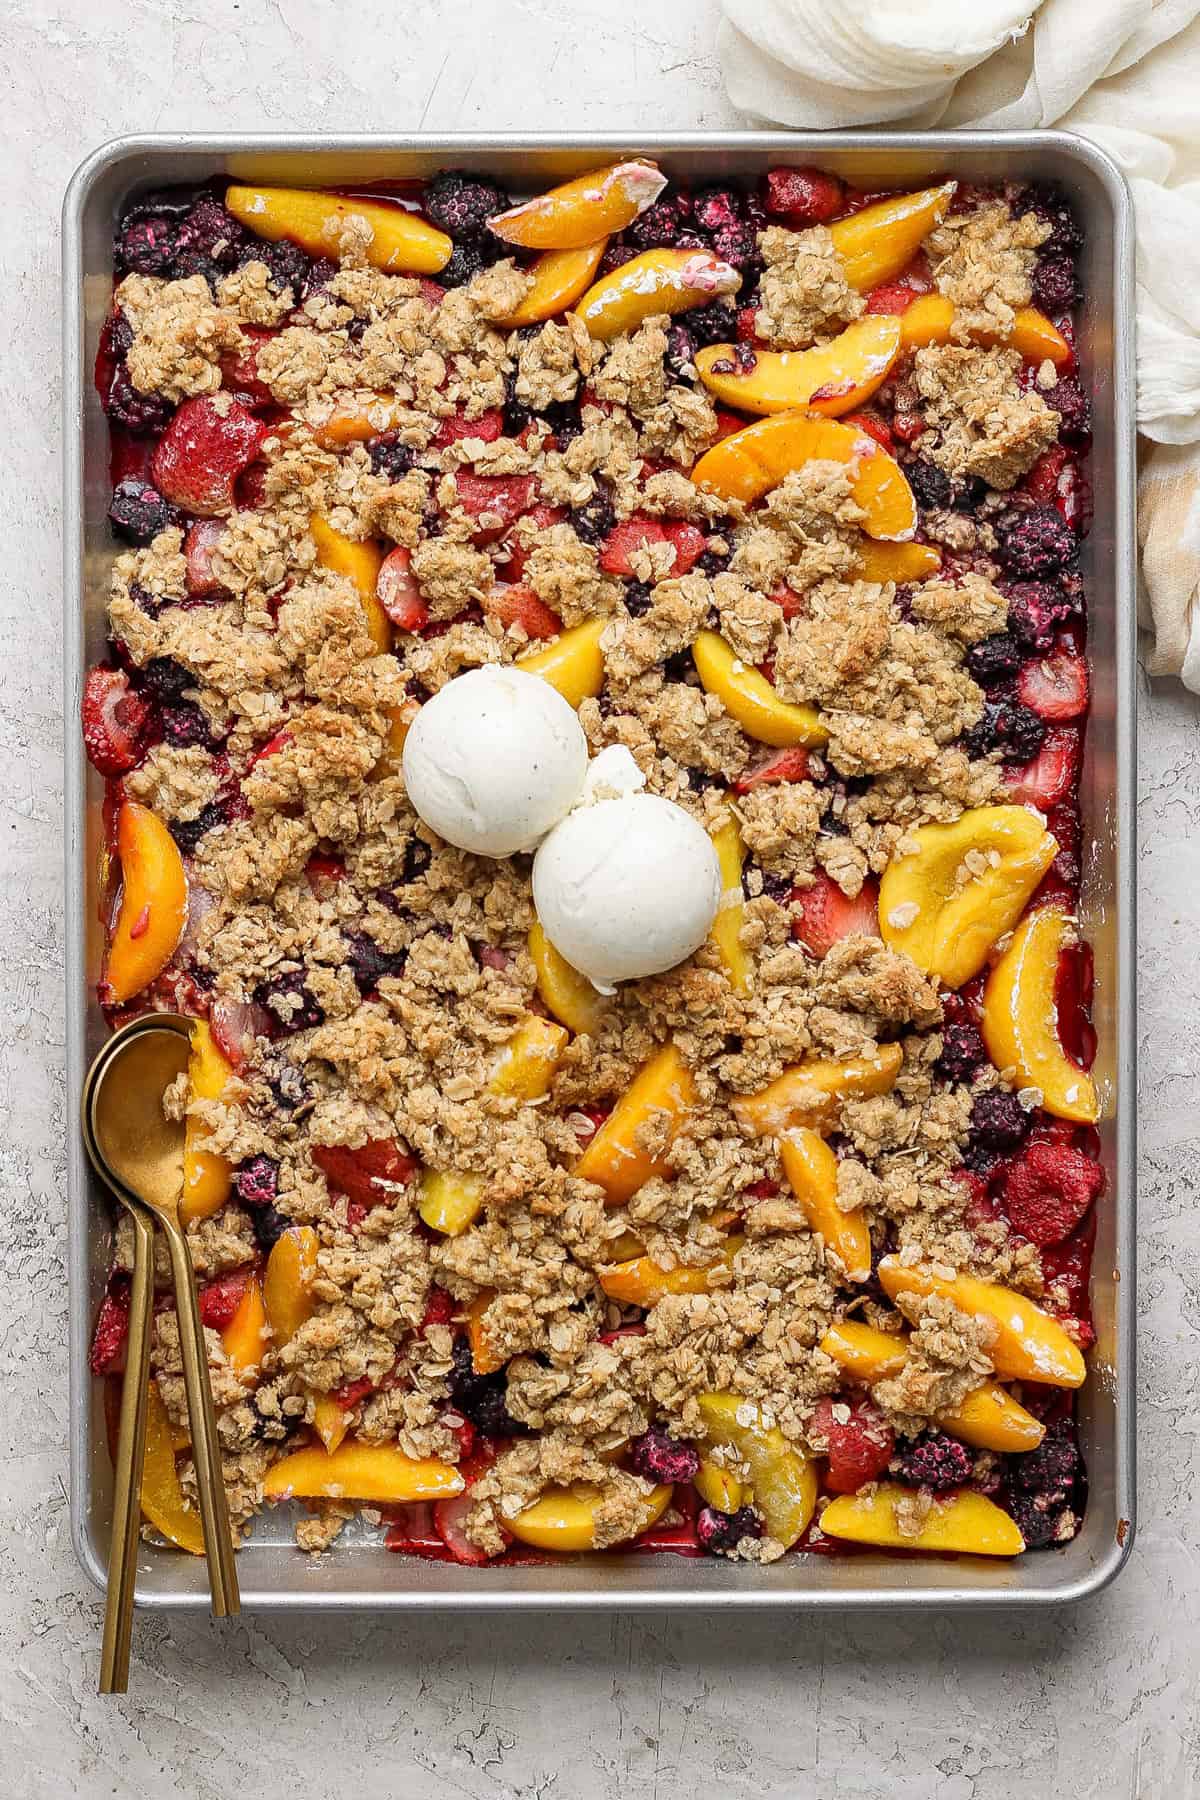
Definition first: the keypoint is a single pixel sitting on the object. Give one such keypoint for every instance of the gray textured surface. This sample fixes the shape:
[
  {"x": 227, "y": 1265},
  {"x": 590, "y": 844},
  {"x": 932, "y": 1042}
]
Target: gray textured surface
[{"x": 1092, "y": 1703}]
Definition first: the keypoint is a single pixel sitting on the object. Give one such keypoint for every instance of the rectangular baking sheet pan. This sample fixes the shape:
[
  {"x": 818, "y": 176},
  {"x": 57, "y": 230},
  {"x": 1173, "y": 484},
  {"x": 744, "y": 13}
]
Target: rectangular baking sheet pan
[{"x": 361, "y": 1574}]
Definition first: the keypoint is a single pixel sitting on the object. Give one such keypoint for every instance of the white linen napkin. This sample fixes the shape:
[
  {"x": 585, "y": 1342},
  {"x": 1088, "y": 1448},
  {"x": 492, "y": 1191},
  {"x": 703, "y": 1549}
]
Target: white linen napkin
[{"x": 1123, "y": 72}]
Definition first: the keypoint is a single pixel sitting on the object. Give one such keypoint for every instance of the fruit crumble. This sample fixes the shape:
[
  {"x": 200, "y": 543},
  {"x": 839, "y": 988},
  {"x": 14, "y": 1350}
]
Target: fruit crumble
[{"x": 782, "y": 489}]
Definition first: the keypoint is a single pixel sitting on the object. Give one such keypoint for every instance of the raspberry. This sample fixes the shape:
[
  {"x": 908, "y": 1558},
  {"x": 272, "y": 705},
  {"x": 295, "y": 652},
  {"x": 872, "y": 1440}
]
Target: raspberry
[
  {"x": 466, "y": 261},
  {"x": 1049, "y": 1190},
  {"x": 998, "y": 1121},
  {"x": 290, "y": 1001},
  {"x": 389, "y": 457},
  {"x": 1069, "y": 401},
  {"x": 269, "y": 1225},
  {"x": 934, "y": 1461},
  {"x": 107, "y": 1356},
  {"x": 188, "y": 832},
  {"x": 661, "y": 225},
  {"x": 369, "y": 964},
  {"x": 460, "y": 204},
  {"x": 994, "y": 659},
  {"x": 661, "y": 1457},
  {"x": 713, "y": 207},
  {"x": 719, "y": 1531},
  {"x": 930, "y": 485},
  {"x": 164, "y": 679},
  {"x": 1034, "y": 609},
  {"x": 1008, "y": 727},
  {"x": 220, "y": 1299},
  {"x": 737, "y": 245},
  {"x": 1055, "y": 288},
  {"x": 184, "y": 725},
  {"x": 1034, "y": 542},
  {"x": 138, "y": 512},
  {"x": 802, "y": 196},
  {"x": 257, "y": 1181},
  {"x": 141, "y": 414},
  {"x": 963, "y": 1052}
]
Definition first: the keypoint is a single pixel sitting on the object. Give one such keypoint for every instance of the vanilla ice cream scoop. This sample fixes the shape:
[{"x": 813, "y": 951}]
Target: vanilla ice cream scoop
[
  {"x": 495, "y": 759},
  {"x": 625, "y": 886}
]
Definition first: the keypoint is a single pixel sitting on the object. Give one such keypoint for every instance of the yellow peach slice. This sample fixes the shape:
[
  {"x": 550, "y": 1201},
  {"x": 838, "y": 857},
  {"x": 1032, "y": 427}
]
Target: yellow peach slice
[
  {"x": 717, "y": 1486},
  {"x": 360, "y": 560},
  {"x": 810, "y": 1093},
  {"x": 616, "y": 1160},
  {"x": 400, "y": 720},
  {"x": 864, "y": 1352},
  {"x": 154, "y": 903},
  {"x": 573, "y": 663},
  {"x": 450, "y": 1202},
  {"x": 896, "y": 562},
  {"x": 832, "y": 379},
  {"x": 331, "y": 1422},
  {"x": 244, "y": 1339},
  {"x": 569, "y": 995},
  {"x": 483, "y": 1356},
  {"x": 355, "y": 1471},
  {"x": 162, "y": 1498},
  {"x": 559, "y": 277},
  {"x": 1028, "y": 1344},
  {"x": 725, "y": 934},
  {"x": 930, "y": 320},
  {"x": 749, "y": 463},
  {"x": 879, "y": 241},
  {"x": 287, "y": 1285},
  {"x": 356, "y": 417},
  {"x": 1020, "y": 1019},
  {"x": 749, "y": 697},
  {"x": 565, "y": 1518},
  {"x": 206, "y": 1177},
  {"x": 642, "y": 1282},
  {"x": 962, "y": 887},
  {"x": 526, "y": 1064},
  {"x": 966, "y": 1522},
  {"x": 812, "y": 1169},
  {"x": 783, "y": 1479},
  {"x": 396, "y": 241},
  {"x": 657, "y": 281},
  {"x": 580, "y": 211}
]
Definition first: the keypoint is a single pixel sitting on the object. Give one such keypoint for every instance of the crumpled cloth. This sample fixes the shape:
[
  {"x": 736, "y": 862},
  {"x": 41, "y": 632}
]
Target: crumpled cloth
[{"x": 1125, "y": 73}]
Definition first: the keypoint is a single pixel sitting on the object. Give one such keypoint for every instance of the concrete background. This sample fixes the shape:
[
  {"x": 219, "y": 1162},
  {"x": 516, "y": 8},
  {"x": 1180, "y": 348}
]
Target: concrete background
[{"x": 1094, "y": 1702}]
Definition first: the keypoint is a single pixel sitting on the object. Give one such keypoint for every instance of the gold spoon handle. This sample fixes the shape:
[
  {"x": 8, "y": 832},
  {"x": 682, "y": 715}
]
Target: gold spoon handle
[
  {"x": 206, "y": 1455},
  {"x": 131, "y": 1454}
]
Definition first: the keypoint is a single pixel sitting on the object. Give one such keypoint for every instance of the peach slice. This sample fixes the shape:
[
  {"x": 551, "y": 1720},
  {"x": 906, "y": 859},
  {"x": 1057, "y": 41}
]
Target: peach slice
[
  {"x": 864, "y": 1352},
  {"x": 896, "y": 562},
  {"x": 930, "y": 320},
  {"x": 355, "y": 1471},
  {"x": 812, "y": 1169},
  {"x": 616, "y": 1159},
  {"x": 966, "y": 1522},
  {"x": 643, "y": 1282},
  {"x": 565, "y": 1518},
  {"x": 331, "y": 1422},
  {"x": 963, "y": 886},
  {"x": 573, "y": 663},
  {"x": 396, "y": 241},
  {"x": 206, "y": 1177},
  {"x": 559, "y": 277},
  {"x": 484, "y": 1360},
  {"x": 526, "y": 1065},
  {"x": 832, "y": 379},
  {"x": 750, "y": 698},
  {"x": 400, "y": 720},
  {"x": 809, "y": 1094},
  {"x": 154, "y": 904},
  {"x": 162, "y": 1498},
  {"x": 1029, "y": 1345},
  {"x": 450, "y": 1202},
  {"x": 245, "y": 1337},
  {"x": 749, "y": 463},
  {"x": 717, "y": 1486},
  {"x": 725, "y": 934},
  {"x": 569, "y": 995},
  {"x": 879, "y": 241},
  {"x": 657, "y": 281},
  {"x": 1020, "y": 1019},
  {"x": 287, "y": 1284},
  {"x": 580, "y": 211},
  {"x": 361, "y": 561},
  {"x": 355, "y": 418},
  {"x": 784, "y": 1480}
]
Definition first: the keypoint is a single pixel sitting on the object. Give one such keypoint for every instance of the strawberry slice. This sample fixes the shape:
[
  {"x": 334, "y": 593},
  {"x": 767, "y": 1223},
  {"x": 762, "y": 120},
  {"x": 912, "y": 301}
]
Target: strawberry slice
[
  {"x": 414, "y": 1534},
  {"x": 892, "y": 297},
  {"x": 114, "y": 719},
  {"x": 198, "y": 546},
  {"x": 1056, "y": 687},
  {"x": 790, "y": 603},
  {"x": 690, "y": 545},
  {"x": 1048, "y": 1191},
  {"x": 727, "y": 423},
  {"x": 236, "y": 1024},
  {"x": 349, "y": 1396},
  {"x": 397, "y": 591},
  {"x": 825, "y": 915},
  {"x": 626, "y": 539},
  {"x": 220, "y": 1299},
  {"x": 107, "y": 1355},
  {"x": 450, "y": 1516},
  {"x": 803, "y": 196},
  {"x": 439, "y": 1308},
  {"x": 875, "y": 427},
  {"x": 860, "y": 1446},
  {"x": 621, "y": 1331},
  {"x": 514, "y": 604},
  {"x": 522, "y": 546},
  {"x": 494, "y": 501},
  {"x": 369, "y": 1174},
  {"x": 239, "y": 369},
  {"x": 784, "y": 765},
  {"x": 204, "y": 449},
  {"x": 1052, "y": 774},
  {"x": 488, "y": 426}
]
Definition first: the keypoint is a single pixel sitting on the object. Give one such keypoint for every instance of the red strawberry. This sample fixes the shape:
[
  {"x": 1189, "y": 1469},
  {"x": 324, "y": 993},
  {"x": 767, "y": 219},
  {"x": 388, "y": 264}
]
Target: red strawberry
[
  {"x": 874, "y": 427},
  {"x": 250, "y": 488},
  {"x": 892, "y": 297},
  {"x": 522, "y": 546},
  {"x": 781, "y": 765},
  {"x": 908, "y": 427},
  {"x": 203, "y": 451},
  {"x": 198, "y": 546},
  {"x": 497, "y": 499},
  {"x": 788, "y": 600},
  {"x": 439, "y": 1308},
  {"x": 320, "y": 870},
  {"x": 1056, "y": 687},
  {"x": 1041, "y": 483},
  {"x": 114, "y": 719},
  {"x": 239, "y": 370},
  {"x": 488, "y": 426},
  {"x": 728, "y": 423},
  {"x": 1048, "y": 1190},
  {"x": 766, "y": 1189},
  {"x": 235, "y": 1024},
  {"x": 353, "y": 1391},
  {"x": 803, "y": 196},
  {"x": 1052, "y": 774},
  {"x": 1068, "y": 1266},
  {"x": 625, "y": 540},
  {"x": 825, "y": 915},
  {"x": 414, "y": 1534},
  {"x": 690, "y": 545},
  {"x": 370, "y": 1174},
  {"x": 112, "y": 1330},
  {"x": 449, "y": 1516},
  {"x": 220, "y": 1299},
  {"x": 397, "y": 591},
  {"x": 747, "y": 324},
  {"x": 860, "y": 1447},
  {"x": 514, "y": 604},
  {"x": 622, "y": 1331}
]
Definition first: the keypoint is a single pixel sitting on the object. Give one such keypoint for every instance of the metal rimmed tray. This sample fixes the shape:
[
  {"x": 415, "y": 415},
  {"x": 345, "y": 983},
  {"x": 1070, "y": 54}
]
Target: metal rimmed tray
[{"x": 362, "y": 1574}]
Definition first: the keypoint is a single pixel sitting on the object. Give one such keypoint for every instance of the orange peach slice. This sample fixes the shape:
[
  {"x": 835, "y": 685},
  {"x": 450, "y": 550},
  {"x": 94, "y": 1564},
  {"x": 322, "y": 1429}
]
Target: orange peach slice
[
  {"x": 287, "y": 1284},
  {"x": 616, "y": 1160},
  {"x": 569, "y": 995},
  {"x": 154, "y": 903},
  {"x": 864, "y": 1352},
  {"x": 658, "y": 281},
  {"x": 565, "y": 1518},
  {"x": 962, "y": 887},
  {"x": 1020, "y": 1019},
  {"x": 484, "y": 1360},
  {"x": 559, "y": 277},
  {"x": 812, "y": 1169},
  {"x": 527, "y": 1062},
  {"x": 400, "y": 720},
  {"x": 356, "y": 417},
  {"x": 360, "y": 560},
  {"x": 245, "y": 1337},
  {"x": 573, "y": 663},
  {"x": 749, "y": 463},
  {"x": 832, "y": 379},
  {"x": 749, "y": 697},
  {"x": 879, "y": 241},
  {"x": 717, "y": 1486},
  {"x": 1028, "y": 1345},
  {"x": 643, "y": 1282},
  {"x": 783, "y": 1479},
  {"x": 355, "y": 1471},
  {"x": 162, "y": 1498},
  {"x": 930, "y": 320},
  {"x": 396, "y": 241},
  {"x": 810, "y": 1094},
  {"x": 449, "y": 1202},
  {"x": 580, "y": 211},
  {"x": 331, "y": 1422},
  {"x": 896, "y": 562},
  {"x": 966, "y": 1522},
  {"x": 727, "y": 926},
  {"x": 206, "y": 1177}
]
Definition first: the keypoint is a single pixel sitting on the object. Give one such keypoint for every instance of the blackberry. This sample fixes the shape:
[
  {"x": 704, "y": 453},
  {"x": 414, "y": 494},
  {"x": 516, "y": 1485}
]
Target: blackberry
[
  {"x": 145, "y": 247},
  {"x": 1034, "y": 542},
  {"x": 931, "y": 486},
  {"x": 638, "y": 598},
  {"x": 962, "y": 1052},
  {"x": 467, "y": 260},
  {"x": 1050, "y": 1471},
  {"x": 969, "y": 494},
  {"x": 164, "y": 679},
  {"x": 481, "y": 1398},
  {"x": 288, "y": 1087},
  {"x": 737, "y": 245},
  {"x": 1069, "y": 401},
  {"x": 715, "y": 323},
  {"x": 417, "y": 857},
  {"x": 141, "y": 414},
  {"x": 257, "y": 1181},
  {"x": 1048, "y": 201},
  {"x": 661, "y": 1457},
  {"x": 145, "y": 601},
  {"x": 185, "y": 726},
  {"x": 368, "y": 963},
  {"x": 460, "y": 204},
  {"x": 1035, "y": 608},
  {"x": 934, "y": 1461},
  {"x": 691, "y": 240},
  {"x": 209, "y": 235},
  {"x": 188, "y": 832},
  {"x": 288, "y": 266},
  {"x": 516, "y": 416},
  {"x": 994, "y": 659},
  {"x": 999, "y": 1122},
  {"x": 661, "y": 224},
  {"x": 699, "y": 780},
  {"x": 615, "y": 257},
  {"x": 714, "y": 562},
  {"x": 678, "y": 666},
  {"x": 289, "y": 999},
  {"x": 681, "y": 350},
  {"x": 389, "y": 457},
  {"x": 715, "y": 207},
  {"x": 1007, "y": 726},
  {"x": 719, "y": 1531},
  {"x": 138, "y": 512},
  {"x": 1055, "y": 288},
  {"x": 776, "y": 887},
  {"x": 563, "y": 418},
  {"x": 269, "y": 1226},
  {"x": 594, "y": 521}
]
